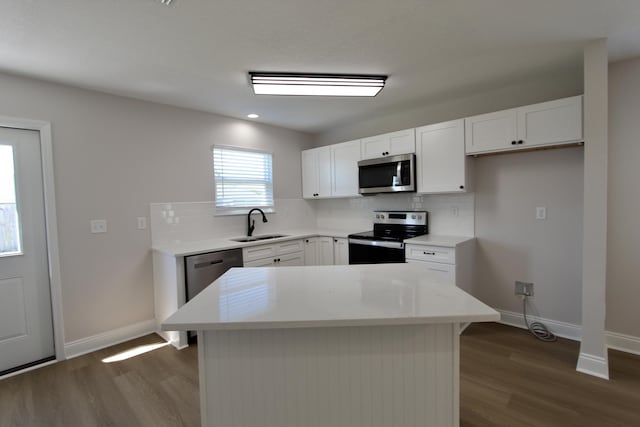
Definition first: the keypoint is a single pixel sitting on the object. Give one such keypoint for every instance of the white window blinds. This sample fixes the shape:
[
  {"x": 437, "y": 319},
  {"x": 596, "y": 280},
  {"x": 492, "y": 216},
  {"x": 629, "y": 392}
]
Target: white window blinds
[{"x": 243, "y": 179}]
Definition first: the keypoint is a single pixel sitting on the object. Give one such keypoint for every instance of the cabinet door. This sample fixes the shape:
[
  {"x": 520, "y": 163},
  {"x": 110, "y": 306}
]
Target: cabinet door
[
  {"x": 340, "y": 251},
  {"x": 374, "y": 146},
  {"x": 324, "y": 172},
  {"x": 388, "y": 144},
  {"x": 491, "y": 132},
  {"x": 445, "y": 271},
  {"x": 344, "y": 160},
  {"x": 311, "y": 251},
  {"x": 441, "y": 158},
  {"x": 402, "y": 142},
  {"x": 265, "y": 262},
  {"x": 553, "y": 122},
  {"x": 309, "y": 173},
  {"x": 291, "y": 260},
  {"x": 325, "y": 251}
]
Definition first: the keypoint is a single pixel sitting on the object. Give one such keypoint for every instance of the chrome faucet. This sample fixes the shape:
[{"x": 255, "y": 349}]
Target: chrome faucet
[{"x": 251, "y": 225}]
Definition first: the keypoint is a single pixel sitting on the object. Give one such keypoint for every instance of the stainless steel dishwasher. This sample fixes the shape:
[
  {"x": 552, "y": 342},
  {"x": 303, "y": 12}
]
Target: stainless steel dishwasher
[{"x": 203, "y": 269}]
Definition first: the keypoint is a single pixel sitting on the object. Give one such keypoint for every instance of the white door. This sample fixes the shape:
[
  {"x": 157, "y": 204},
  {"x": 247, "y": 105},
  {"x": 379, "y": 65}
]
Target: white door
[
  {"x": 26, "y": 326},
  {"x": 344, "y": 158}
]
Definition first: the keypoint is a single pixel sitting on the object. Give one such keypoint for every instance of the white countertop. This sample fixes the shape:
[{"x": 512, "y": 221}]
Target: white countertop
[
  {"x": 193, "y": 247},
  {"x": 321, "y": 296},
  {"x": 435, "y": 240},
  {"x": 186, "y": 248}
]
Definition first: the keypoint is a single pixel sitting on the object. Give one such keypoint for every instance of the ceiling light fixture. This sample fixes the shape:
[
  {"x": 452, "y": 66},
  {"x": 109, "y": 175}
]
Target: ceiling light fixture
[
  {"x": 253, "y": 116},
  {"x": 316, "y": 84}
]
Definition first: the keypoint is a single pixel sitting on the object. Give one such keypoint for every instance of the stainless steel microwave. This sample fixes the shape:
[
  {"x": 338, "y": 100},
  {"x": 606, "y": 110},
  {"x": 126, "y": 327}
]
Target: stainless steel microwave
[{"x": 387, "y": 174}]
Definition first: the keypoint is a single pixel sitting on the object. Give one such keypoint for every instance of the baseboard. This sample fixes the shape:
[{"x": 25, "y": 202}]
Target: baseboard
[
  {"x": 106, "y": 339},
  {"x": 626, "y": 343},
  {"x": 561, "y": 329},
  {"x": 593, "y": 365}
]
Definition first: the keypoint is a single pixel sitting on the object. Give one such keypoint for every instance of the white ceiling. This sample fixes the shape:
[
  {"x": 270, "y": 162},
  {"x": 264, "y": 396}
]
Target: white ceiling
[{"x": 196, "y": 53}]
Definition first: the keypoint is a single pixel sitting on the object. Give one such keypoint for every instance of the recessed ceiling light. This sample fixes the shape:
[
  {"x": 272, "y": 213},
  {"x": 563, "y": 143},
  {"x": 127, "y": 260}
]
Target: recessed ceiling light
[
  {"x": 316, "y": 84},
  {"x": 253, "y": 116}
]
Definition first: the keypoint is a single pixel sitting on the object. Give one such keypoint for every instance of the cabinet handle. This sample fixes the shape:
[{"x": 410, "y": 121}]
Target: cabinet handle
[
  {"x": 513, "y": 143},
  {"x": 521, "y": 142},
  {"x": 462, "y": 187},
  {"x": 429, "y": 253},
  {"x": 335, "y": 240}
]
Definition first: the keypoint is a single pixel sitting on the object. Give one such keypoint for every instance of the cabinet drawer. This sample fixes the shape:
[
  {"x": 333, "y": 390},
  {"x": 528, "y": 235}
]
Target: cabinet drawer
[
  {"x": 431, "y": 253},
  {"x": 288, "y": 247},
  {"x": 446, "y": 271},
  {"x": 257, "y": 252},
  {"x": 264, "y": 262}
]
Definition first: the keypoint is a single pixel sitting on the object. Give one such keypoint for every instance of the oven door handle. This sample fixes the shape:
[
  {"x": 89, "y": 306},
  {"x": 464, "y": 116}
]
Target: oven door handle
[{"x": 382, "y": 244}]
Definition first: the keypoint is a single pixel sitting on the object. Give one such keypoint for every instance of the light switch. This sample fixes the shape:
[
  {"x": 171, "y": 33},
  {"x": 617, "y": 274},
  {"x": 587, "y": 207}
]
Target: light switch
[
  {"x": 98, "y": 225},
  {"x": 541, "y": 212},
  {"x": 142, "y": 222}
]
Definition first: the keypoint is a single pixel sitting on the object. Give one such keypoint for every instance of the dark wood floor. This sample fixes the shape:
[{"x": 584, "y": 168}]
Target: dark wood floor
[{"x": 508, "y": 378}]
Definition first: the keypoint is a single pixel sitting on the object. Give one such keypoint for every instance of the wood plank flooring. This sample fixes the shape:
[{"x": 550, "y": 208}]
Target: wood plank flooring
[{"x": 508, "y": 378}]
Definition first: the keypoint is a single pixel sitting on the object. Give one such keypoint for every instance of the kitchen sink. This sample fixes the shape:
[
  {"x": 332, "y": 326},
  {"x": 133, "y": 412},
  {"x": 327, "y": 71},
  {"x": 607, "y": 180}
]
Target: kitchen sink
[{"x": 257, "y": 238}]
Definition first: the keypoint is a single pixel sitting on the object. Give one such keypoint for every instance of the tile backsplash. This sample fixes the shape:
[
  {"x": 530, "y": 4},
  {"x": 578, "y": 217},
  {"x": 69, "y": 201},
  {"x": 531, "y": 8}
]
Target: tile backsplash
[{"x": 449, "y": 214}]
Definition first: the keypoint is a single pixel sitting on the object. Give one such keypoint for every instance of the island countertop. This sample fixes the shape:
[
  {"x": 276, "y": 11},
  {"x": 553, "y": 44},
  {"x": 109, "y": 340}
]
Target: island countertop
[{"x": 328, "y": 296}]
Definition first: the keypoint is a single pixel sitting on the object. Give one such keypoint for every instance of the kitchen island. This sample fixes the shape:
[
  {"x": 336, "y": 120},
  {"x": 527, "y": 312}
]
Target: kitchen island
[{"x": 373, "y": 345}]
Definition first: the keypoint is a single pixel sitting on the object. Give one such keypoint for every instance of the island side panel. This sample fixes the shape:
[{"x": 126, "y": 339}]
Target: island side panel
[
  {"x": 340, "y": 376},
  {"x": 169, "y": 294}
]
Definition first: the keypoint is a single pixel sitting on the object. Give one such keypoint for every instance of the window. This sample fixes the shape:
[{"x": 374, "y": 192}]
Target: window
[
  {"x": 243, "y": 180},
  {"x": 9, "y": 223}
]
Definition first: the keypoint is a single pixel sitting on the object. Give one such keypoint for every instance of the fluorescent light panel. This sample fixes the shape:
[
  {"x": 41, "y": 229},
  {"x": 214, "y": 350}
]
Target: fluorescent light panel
[{"x": 316, "y": 84}]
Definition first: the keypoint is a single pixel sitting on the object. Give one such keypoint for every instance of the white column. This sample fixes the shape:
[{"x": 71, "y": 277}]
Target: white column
[{"x": 593, "y": 358}]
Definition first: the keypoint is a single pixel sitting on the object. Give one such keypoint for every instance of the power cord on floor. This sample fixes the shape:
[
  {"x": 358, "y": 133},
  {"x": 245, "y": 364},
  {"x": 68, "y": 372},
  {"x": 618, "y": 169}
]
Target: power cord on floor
[{"x": 537, "y": 329}]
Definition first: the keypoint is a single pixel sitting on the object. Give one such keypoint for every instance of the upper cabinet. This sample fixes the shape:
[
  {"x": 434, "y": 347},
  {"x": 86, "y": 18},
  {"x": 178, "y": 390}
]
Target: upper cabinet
[
  {"x": 548, "y": 123},
  {"x": 389, "y": 144},
  {"x": 331, "y": 171},
  {"x": 344, "y": 162},
  {"x": 441, "y": 162},
  {"x": 316, "y": 173}
]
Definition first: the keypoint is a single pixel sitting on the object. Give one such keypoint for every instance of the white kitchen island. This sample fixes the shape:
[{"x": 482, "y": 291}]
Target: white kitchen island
[{"x": 351, "y": 345}]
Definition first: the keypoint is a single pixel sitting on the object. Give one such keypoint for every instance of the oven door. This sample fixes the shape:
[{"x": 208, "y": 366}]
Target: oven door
[{"x": 363, "y": 251}]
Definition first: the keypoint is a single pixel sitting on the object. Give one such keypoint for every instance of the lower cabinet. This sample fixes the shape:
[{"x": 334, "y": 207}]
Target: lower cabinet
[
  {"x": 318, "y": 251},
  {"x": 454, "y": 263},
  {"x": 289, "y": 253},
  {"x": 340, "y": 251}
]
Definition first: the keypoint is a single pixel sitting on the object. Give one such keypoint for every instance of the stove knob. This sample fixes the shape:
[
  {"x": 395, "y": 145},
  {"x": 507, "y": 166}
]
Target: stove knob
[
  {"x": 377, "y": 216},
  {"x": 381, "y": 216},
  {"x": 419, "y": 216},
  {"x": 413, "y": 217}
]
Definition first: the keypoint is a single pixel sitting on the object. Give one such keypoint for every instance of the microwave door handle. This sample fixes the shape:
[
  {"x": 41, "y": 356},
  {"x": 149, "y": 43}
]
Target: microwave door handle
[{"x": 399, "y": 174}]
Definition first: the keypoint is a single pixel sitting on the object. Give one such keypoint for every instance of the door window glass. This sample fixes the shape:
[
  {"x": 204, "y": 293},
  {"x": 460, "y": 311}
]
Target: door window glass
[{"x": 9, "y": 224}]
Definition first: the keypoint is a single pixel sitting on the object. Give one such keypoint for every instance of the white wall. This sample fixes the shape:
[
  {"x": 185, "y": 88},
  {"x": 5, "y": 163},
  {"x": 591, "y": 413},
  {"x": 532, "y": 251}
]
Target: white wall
[
  {"x": 623, "y": 268},
  {"x": 112, "y": 157},
  {"x": 512, "y": 245}
]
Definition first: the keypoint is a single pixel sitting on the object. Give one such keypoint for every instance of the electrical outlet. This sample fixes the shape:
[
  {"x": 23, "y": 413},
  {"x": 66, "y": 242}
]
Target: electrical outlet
[
  {"x": 142, "y": 222},
  {"x": 98, "y": 225},
  {"x": 541, "y": 212},
  {"x": 524, "y": 288},
  {"x": 454, "y": 211}
]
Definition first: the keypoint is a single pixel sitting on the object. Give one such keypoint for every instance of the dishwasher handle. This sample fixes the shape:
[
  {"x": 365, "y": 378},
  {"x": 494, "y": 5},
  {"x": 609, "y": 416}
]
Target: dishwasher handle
[{"x": 208, "y": 263}]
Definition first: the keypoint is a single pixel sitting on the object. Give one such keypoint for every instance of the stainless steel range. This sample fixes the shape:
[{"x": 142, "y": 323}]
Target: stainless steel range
[{"x": 385, "y": 243}]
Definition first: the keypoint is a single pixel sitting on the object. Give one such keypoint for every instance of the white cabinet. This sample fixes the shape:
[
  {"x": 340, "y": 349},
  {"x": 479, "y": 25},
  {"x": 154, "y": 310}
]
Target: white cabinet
[
  {"x": 290, "y": 252},
  {"x": 454, "y": 263},
  {"x": 442, "y": 166},
  {"x": 389, "y": 144},
  {"x": 316, "y": 173},
  {"x": 331, "y": 171},
  {"x": 548, "y": 123},
  {"x": 344, "y": 173},
  {"x": 340, "y": 251},
  {"x": 318, "y": 251}
]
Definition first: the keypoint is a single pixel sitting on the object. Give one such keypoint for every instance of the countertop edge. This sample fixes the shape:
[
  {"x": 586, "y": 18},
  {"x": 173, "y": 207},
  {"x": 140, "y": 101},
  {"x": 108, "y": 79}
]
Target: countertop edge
[{"x": 298, "y": 324}]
